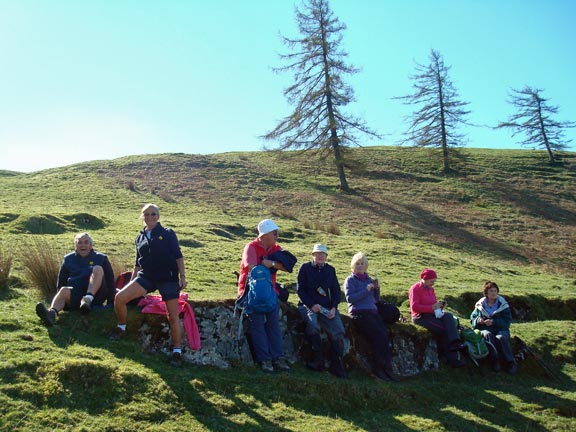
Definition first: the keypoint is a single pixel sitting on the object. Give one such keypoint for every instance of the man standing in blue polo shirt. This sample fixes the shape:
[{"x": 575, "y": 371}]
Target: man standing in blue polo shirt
[{"x": 85, "y": 279}]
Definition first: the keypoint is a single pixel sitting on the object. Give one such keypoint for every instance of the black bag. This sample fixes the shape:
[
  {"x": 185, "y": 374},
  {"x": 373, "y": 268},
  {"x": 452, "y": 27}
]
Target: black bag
[
  {"x": 122, "y": 280},
  {"x": 283, "y": 292},
  {"x": 388, "y": 311}
]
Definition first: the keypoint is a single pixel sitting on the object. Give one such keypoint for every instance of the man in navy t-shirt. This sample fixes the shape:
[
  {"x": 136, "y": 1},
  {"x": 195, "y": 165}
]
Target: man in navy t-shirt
[{"x": 85, "y": 279}]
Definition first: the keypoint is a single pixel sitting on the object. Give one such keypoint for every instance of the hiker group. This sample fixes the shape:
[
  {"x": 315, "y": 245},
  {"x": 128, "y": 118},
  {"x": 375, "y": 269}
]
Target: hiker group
[{"x": 86, "y": 280}]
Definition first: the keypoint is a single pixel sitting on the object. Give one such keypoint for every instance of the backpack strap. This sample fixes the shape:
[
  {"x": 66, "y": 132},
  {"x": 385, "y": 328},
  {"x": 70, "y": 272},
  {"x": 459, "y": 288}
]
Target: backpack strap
[{"x": 240, "y": 306}]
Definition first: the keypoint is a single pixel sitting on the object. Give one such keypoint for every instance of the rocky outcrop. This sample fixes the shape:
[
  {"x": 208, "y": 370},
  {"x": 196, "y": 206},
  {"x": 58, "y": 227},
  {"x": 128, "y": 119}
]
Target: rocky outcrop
[{"x": 414, "y": 350}]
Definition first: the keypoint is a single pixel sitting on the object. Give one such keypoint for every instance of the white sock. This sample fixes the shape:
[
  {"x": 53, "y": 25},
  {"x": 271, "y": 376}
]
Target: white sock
[
  {"x": 122, "y": 327},
  {"x": 177, "y": 350}
]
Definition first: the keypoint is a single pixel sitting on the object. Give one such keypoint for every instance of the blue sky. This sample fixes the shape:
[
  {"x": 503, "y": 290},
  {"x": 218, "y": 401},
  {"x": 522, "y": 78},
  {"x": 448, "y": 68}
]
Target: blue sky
[{"x": 100, "y": 79}]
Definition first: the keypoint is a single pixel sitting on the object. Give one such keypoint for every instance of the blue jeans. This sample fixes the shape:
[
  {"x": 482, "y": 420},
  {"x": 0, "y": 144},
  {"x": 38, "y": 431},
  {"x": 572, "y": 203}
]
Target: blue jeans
[
  {"x": 501, "y": 341},
  {"x": 317, "y": 321},
  {"x": 266, "y": 335}
]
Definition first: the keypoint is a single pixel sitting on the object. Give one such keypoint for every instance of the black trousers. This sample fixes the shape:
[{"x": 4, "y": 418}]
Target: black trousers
[
  {"x": 375, "y": 331},
  {"x": 444, "y": 328}
]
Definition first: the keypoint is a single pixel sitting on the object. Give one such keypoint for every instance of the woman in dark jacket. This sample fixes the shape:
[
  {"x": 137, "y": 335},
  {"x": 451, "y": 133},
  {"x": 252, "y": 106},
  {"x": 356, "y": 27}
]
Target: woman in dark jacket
[
  {"x": 492, "y": 317},
  {"x": 159, "y": 266}
]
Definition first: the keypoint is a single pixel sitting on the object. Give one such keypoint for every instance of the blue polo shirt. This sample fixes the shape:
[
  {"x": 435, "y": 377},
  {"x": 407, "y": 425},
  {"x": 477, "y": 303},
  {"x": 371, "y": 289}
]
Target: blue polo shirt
[{"x": 156, "y": 255}]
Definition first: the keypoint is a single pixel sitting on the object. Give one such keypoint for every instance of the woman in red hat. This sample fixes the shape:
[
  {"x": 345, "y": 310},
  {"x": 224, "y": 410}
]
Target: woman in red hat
[{"x": 429, "y": 313}]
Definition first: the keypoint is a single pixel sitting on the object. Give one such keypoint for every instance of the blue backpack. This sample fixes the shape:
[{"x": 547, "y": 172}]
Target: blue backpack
[{"x": 259, "y": 295}]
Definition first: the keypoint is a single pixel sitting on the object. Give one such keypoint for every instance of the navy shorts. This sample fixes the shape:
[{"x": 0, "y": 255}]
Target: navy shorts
[
  {"x": 168, "y": 290},
  {"x": 78, "y": 289}
]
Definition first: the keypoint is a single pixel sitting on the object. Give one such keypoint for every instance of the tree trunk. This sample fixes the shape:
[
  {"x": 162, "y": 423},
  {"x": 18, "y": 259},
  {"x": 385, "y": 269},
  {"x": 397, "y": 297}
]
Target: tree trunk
[
  {"x": 443, "y": 126},
  {"x": 334, "y": 141},
  {"x": 544, "y": 136},
  {"x": 339, "y": 163}
]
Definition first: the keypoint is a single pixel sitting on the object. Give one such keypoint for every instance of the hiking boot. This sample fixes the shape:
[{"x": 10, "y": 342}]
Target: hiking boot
[
  {"x": 117, "y": 334},
  {"x": 176, "y": 359},
  {"x": 266, "y": 366},
  {"x": 281, "y": 365},
  {"x": 48, "y": 316},
  {"x": 512, "y": 368},
  {"x": 86, "y": 304}
]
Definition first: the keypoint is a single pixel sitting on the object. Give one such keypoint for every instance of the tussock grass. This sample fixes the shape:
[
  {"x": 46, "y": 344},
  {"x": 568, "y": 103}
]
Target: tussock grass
[
  {"x": 41, "y": 261},
  {"x": 5, "y": 268}
]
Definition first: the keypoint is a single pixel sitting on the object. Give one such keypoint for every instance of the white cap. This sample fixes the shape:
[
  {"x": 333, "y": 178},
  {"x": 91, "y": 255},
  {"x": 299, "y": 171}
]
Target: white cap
[
  {"x": 266, "y": 226},
  {"x": 319, "y": 247}
]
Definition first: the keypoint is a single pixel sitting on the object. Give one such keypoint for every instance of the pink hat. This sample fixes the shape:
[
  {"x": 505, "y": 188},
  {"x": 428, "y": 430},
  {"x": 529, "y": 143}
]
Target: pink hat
[{"x": 428, "y": 274}]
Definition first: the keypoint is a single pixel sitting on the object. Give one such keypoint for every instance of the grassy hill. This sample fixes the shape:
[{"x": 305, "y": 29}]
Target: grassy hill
[{"x": 505, "y": 215}]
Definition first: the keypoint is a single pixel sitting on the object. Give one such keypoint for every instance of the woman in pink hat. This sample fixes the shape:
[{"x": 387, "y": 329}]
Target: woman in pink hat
[{"x": 429, "y": 313}]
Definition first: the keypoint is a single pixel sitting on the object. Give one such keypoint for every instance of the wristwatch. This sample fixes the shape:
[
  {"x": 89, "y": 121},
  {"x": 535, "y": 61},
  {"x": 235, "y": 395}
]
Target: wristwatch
[{"x": 273, "y": 264}]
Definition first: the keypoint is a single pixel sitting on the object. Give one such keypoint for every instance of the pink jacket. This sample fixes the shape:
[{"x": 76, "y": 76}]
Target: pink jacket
[
  {"x": 154, "y": 304},
  {"x": 421, "y": 300}
]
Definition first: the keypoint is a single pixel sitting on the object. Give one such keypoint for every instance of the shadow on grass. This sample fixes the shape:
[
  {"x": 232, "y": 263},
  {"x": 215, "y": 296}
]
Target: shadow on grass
[
  {"x": 533, "y": 204},
  {"x": 426, "y": 224},
  {"x": 245, "y": 399},
  {"x": 9, "y": 293}
]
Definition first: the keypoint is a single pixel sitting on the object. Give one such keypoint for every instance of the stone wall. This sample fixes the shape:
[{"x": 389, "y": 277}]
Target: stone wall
[{"x": 414, "y": 350}]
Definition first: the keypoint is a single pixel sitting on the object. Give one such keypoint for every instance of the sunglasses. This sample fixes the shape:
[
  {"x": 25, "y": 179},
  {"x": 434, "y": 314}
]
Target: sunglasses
[{"x": 149, "y": 214}]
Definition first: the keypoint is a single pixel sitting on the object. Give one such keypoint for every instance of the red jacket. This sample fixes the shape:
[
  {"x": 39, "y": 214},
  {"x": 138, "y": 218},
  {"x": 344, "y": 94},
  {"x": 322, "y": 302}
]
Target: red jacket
[{"x": 253, "y": 255}]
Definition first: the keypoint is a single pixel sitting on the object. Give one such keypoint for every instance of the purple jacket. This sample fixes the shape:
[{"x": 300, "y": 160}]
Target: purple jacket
[{"x": 358, "y": 296}]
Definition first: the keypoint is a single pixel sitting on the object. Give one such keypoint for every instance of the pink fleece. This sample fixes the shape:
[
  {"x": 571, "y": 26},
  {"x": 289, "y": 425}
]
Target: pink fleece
[
  {"x": 421, "y": 300},
  {"x": 154, "y": 304}
]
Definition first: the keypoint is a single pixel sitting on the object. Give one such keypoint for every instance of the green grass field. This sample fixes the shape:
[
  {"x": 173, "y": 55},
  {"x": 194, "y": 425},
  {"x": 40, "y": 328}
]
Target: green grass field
[{"x": 506, "y": 215}]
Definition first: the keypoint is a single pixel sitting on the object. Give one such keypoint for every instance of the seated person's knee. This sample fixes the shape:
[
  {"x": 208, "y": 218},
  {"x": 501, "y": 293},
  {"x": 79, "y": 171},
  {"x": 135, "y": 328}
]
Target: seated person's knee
[{"x": 97, "y": 270}]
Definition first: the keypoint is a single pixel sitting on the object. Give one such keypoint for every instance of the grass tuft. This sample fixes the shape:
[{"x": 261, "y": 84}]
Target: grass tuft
[
  {"x": 5, "y": 268},
  {"x": 41, "y": 261}
]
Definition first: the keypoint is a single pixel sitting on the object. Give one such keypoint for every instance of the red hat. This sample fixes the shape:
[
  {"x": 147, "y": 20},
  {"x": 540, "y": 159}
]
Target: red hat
[{"x": 428, "y": 274}]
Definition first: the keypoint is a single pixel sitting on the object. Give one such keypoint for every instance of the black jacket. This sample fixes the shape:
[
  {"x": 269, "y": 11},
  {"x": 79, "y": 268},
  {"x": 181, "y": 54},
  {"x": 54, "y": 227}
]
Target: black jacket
[{"x": 318, "y": 285}]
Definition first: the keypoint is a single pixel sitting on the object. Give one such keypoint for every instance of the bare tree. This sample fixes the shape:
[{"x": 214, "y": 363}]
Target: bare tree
[
  {"x": 534, "y": 119},
  {"x": 318, "y": 92},
  {"x": 440, "y": 112}
]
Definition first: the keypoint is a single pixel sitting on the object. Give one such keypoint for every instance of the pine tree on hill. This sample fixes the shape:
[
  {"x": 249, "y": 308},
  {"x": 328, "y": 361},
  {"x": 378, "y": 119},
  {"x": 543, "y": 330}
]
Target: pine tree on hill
[{"x": 319, "y": 92}]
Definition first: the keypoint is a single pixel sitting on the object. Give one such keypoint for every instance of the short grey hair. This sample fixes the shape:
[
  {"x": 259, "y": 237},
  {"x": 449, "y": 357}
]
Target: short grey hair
[{"x": 83, "y": 234}]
